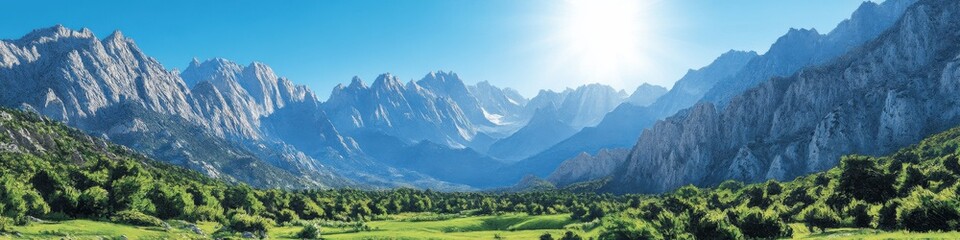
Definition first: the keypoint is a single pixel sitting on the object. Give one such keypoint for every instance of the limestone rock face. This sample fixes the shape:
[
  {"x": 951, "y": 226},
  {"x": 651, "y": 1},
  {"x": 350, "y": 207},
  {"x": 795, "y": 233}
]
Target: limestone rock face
[
  {"x": 585, "y": 167},
  {"x": 889, "y": 93}
]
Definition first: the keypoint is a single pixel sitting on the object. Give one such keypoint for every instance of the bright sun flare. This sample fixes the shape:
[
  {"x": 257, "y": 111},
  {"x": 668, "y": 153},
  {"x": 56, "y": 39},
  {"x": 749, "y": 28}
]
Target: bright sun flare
[{"x": 603, "y": 36}]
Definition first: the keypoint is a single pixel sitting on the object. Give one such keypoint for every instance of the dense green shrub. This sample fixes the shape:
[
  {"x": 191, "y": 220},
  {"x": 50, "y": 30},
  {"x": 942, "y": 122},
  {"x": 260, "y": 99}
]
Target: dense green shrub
[
  {"x": 287, "y": 215},
  {"x": 820, "y": 216},
  {"x": 570, "y": 236},
  {"x": 241, "y": 222},
  {"x": 617, "y": 228},
  {"x": 5, "y": 224},
  {"x": 713, "y": 225},
  {"x": 859, "y": 213},
  {"x": 546, "y": 236},
  {"x": 861, "y": 178},
  {"x": 136, "y": 218},
  {"x": 887, "y": 218},
  {"x": 310, "y": 231},
  {"x": 757, "y": 223},
  {"x": 93, "y": 201},
  {"x": 925, "y": 211}
]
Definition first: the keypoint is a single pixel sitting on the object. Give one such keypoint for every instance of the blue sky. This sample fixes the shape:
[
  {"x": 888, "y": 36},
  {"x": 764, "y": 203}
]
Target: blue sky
[{"x": 511, "y": 43}]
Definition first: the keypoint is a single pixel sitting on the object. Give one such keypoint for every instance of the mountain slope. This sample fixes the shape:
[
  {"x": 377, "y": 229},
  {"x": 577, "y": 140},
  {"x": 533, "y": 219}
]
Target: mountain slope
[
  {"x": 585, "y": 167},
  {"x": 646, "y": 94},
  {"x": 796, "y": 49},
  {"x": 543, "y": 130},
  {"x": 806, "y": 47},
  {"x": 882, "y": 96},
  {"x": 228, "y": 121}
]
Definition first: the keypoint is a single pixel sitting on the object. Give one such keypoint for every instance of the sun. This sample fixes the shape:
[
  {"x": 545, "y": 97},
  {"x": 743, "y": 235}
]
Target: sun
[{"x": 603, "y": 37}]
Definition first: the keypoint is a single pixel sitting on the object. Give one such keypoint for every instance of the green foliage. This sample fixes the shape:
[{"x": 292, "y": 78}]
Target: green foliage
[
  {"x": 623, "y": 229},
  {"x": 570, "y": 236},
  {"x": 756, "y": 223},
  {"x": 5, "y": 224},
  {"x": 241, "y": 222},
  {"x": 136, "y": 218},
  {"x": 925, "y": 211},
  {"x": 93, "y": 202},
  {"x": 820, "y": 216},
  {"x": 862, "y": 178},
  {"x": 310, "y": 231},
  {"x": 887, "y": 218},
  {"x": 130, "y": 193},
  {"x": 859, "y": 213},
  {"x": 546, "y": 236},
  {"x": 708, "y": 225},
  {"x": 287, "y": 215}
]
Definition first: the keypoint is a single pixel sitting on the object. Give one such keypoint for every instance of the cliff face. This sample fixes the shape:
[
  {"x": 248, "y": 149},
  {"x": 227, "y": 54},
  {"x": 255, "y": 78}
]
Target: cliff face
[
  {"x": 873, "y": 100},
  {"x": 585, "y": 167}
]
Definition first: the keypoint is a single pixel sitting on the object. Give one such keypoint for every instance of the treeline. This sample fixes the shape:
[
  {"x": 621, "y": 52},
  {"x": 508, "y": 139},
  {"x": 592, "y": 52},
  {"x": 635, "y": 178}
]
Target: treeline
[
  {"x": 53, "y": 172},
  {"x": 914, "y": 189},
  {"x": 50, "y": 171}
]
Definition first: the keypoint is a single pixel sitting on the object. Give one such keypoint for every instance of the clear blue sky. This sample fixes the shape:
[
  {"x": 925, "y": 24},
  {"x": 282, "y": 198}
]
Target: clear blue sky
[{"x": 511, "y": 43}]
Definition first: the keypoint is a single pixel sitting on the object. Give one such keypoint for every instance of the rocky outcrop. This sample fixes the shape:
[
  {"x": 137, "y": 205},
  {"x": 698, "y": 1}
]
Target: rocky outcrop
[
  {"x": 880, "y": 97},
  {"x": 585, "y": 167}
]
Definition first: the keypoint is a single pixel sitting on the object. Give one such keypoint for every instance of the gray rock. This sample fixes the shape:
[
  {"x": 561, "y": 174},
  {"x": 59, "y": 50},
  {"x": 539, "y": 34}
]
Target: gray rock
[{"x": 871, "y": 101}]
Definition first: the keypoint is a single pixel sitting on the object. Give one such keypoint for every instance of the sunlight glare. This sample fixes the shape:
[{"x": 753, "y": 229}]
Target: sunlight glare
[{"x": 603, "y": 36}]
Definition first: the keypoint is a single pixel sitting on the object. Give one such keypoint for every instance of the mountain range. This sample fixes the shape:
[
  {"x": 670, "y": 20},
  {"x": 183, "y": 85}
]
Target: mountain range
[{"x": 878, "y": 81}]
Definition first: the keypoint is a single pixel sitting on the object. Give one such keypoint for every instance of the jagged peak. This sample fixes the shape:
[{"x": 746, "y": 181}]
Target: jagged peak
[
  {"x": 258, "y": 65},
  {"x": 356, "y": 82},
  {"x": 802, "y": 32},
  {"x": 387, "y": 80},
  {"x": 194, "y": 62},
  {"x": 738, "y": 53},
  {"x": 115, "y": 35},
  {"x": 54, "y": 32},
  {"x": 216, "y": 63},
  {"x": 484, "y": 83},
  {"x": 442, "y": 76}
]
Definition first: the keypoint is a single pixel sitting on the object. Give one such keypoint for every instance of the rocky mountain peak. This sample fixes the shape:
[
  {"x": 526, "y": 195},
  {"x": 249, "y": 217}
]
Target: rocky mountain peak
[
  {"x": 387, "y": 82},
  {"x": 646, "y": 94},
  {"x": 357, "y": 83},
  {"x": 53, "y": 33}
]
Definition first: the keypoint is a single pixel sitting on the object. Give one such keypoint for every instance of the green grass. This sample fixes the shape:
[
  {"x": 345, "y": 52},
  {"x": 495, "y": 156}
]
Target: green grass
[
  {"x": 507, "y": 226},
  {"x": 801, "y": 232},
  {"x": 87, "y": 229}
]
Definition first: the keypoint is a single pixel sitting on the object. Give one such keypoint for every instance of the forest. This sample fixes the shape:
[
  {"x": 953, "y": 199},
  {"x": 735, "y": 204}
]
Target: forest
[{"x": 50, "y": 172}]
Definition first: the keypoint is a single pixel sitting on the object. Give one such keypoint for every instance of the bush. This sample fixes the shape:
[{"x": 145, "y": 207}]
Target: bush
[
  {"x": 820, "y": 216},
  {"x": 924, "y": 211},
  {"x": 546, "y": 236},
  {"x": 570, "y": 236},
  {"x": 623, "y": 229},
  {"x": 241, "y": 222},
  {"x": 136, "y": 218},
  {"x": 887, "y": 218},
  {"x": 859, "y": 211},
  {"x": 713, "y": 225},
  {"x": 93, "y": 201},
  {"x": 287, "y": 215},
  {"x": 861, "y": 178},
  {"x": 311, "y": 231},
  {"x": 756, "y": 223},
  {"x": 5, "y": 224}
]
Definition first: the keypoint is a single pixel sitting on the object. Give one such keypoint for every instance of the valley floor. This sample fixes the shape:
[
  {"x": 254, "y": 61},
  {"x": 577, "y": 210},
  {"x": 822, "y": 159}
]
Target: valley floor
[{"x": 407, "y": 226}]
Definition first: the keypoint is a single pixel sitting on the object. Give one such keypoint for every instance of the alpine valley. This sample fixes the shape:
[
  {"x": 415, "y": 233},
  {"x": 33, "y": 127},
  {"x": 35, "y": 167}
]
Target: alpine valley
[{"x": 879, "y": 83}]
